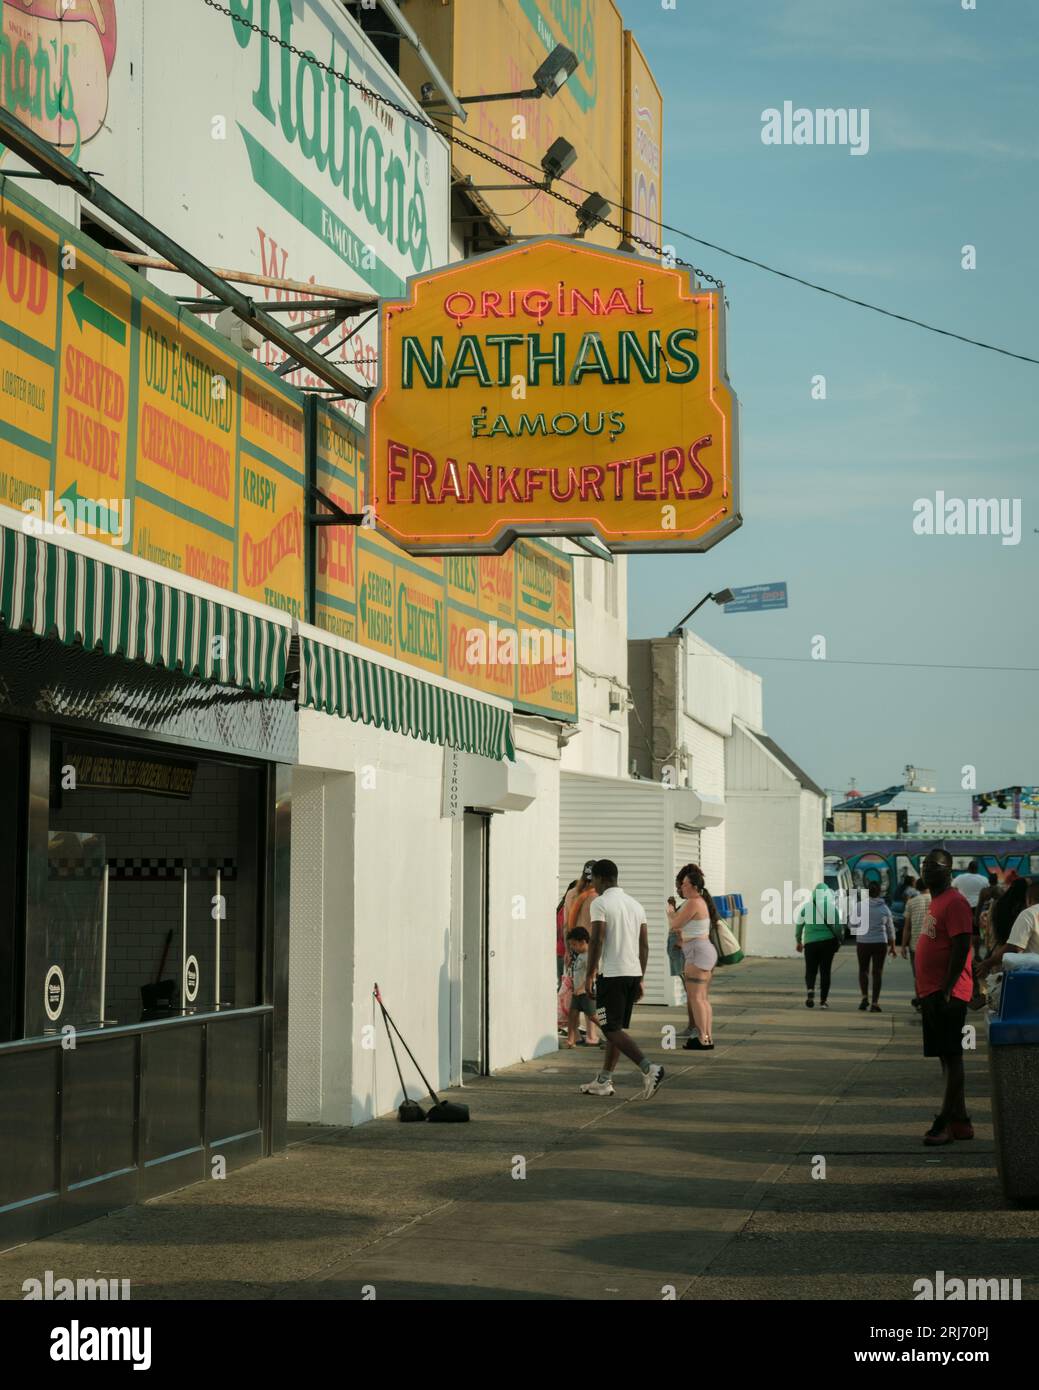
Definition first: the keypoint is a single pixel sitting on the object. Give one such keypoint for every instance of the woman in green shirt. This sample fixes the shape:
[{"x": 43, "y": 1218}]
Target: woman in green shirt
[{"x": 818, "y": 936}]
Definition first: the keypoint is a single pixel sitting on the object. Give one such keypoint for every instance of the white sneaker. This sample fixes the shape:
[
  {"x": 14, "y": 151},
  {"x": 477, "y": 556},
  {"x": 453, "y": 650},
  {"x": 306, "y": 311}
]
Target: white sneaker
[
  {"x": 598, "y": 1088},
  {"x": 651, "y": 1080},
  {"x": 688, "y": 1033}
]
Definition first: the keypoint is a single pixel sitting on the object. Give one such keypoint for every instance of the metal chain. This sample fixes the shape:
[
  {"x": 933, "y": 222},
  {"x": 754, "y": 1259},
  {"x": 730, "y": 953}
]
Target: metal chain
[{"x": 463, "y": 144}]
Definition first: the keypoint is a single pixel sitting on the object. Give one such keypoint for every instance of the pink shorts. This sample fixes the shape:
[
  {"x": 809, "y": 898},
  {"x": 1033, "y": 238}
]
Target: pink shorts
[{"x": 700, "y": 953}]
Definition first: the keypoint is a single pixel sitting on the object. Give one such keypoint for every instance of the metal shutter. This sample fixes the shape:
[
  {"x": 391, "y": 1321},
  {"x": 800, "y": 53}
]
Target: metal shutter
[
  {"x": 687, "y": 848},
  {"x": 626, "y": 821}
]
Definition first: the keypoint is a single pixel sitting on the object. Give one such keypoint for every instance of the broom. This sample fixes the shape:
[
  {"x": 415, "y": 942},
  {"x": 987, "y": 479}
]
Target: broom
[
  {"x": 157, "y": 998},
  {"x": 443, "y": 1111}
]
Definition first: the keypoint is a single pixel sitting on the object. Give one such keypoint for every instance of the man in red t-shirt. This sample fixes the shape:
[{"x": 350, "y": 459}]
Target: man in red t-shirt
[{"x": 944, "y": 985}]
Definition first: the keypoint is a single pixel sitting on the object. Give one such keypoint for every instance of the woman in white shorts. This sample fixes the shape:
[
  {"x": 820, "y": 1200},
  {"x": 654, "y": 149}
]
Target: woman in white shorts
[{"x": 691, "y": 924}]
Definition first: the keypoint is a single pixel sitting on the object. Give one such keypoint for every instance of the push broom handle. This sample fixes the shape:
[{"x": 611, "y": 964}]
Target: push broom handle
[
  {"x": 433, "y": 1095},
  {"x": 386, "y": 1024}
]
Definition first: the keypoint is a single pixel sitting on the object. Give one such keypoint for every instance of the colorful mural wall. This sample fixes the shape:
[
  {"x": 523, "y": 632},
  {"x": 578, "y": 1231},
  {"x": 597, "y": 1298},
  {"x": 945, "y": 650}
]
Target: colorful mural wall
[{"x": 885, "y": 861}]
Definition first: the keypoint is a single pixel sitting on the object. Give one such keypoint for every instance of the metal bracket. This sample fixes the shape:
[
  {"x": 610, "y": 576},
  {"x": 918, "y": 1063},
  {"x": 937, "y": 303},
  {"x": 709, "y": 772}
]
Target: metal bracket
[{"x": 335, "y": 516}]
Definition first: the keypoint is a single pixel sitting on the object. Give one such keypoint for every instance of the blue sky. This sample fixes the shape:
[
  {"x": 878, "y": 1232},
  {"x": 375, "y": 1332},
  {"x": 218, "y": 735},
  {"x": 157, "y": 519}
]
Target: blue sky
[{"x": 828, "y": 486}]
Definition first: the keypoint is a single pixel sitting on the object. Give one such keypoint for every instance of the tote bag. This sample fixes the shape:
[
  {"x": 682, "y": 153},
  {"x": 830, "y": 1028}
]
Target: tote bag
[{"x": 723, "y": 941}]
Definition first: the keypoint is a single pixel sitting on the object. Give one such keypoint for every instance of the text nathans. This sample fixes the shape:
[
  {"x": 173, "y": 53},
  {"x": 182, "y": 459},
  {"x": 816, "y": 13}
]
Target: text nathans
[{"x": 552, "y": 390}]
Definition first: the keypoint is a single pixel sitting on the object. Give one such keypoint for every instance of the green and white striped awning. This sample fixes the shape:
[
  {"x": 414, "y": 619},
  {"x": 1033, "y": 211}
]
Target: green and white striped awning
[
  {"x": 57, "y": 592},
  {"x": 337, "y": 682}
]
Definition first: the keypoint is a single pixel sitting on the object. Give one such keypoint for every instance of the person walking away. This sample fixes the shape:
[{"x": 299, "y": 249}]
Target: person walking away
[
  {"x": 874, "y": 945},
  {"x": 578, "y": 942},
  {"x": 899, "y": 900},
  {"x": 916, "y": 911},
  {"x": 944, "y": 983},
  {"x": 818, "y": 935},
  {"x": 617, "y": 961},
  {"x": 971, "y": 883},
  {"x": 693, "y": 921}
]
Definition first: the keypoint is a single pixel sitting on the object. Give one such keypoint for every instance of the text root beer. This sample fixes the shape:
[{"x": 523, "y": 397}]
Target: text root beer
[{"x": 554, "y": 389}]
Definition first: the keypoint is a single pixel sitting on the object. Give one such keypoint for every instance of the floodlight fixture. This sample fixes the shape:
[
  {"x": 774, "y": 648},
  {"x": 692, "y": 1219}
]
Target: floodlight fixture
[
  {"x": 560, "y": 157},
  {"x": 549, "y": 78},
  {"x": 593, "y": 210},
  {"x": 722, "y": 596},
  {"x": 556, "y": 70}
]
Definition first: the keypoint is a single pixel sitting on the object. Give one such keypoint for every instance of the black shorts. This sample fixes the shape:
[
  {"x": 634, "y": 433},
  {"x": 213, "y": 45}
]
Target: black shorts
[
  {"x": 615, "y": 997},
  {"x": 943, "y": 1025},
  {"x": 584, "y": 1004}
]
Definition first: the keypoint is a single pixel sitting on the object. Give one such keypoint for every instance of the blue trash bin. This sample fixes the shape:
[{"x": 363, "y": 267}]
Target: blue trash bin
[
  {"x": 1013, "y": 1056},
  {"x": 739, "y": 925}
]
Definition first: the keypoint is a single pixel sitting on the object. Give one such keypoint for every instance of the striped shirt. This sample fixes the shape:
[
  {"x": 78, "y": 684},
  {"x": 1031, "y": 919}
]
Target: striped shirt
[{"x": 916, "y": 912}]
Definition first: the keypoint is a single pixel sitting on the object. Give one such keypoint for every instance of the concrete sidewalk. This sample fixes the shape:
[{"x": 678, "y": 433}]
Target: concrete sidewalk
[{"x": 706, "y": 1189}]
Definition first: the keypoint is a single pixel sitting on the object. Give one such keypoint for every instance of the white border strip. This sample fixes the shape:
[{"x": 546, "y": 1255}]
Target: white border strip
[
  {"x": 390, "y": 663},
  {"x": 147, "y": 569}
]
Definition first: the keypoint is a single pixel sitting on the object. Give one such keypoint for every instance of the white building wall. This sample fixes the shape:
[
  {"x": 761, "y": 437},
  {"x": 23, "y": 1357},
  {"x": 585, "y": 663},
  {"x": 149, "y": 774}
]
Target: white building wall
[
  {"x": 774, "y": 838},
  {"x": 811, "y": 838},
  {"x": 764, "y": 853},
  {"x": 706, "y": 765},
  {"x": 378, "y": 811},
  {"x": 306, "y": 945},
  {"x": 748, "y": 767},
  {"x": 718, "y": 689},
  {"x": 523, "y": 854},
  {"x": 601, "y": 629},
  {"x": 376, "y": 898}
]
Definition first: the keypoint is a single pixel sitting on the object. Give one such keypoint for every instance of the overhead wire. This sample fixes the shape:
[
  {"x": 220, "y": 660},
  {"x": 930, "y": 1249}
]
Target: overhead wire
[
  {"x": 468, "y": 144},
  {"x": 900, "y": 665}
]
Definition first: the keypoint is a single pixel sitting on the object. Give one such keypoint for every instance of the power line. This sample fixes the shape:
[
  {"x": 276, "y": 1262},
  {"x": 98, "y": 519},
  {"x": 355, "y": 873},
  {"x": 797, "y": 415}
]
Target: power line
[
  {"x": 901, "y": 665},
  {"x": 428, "y": 124},
  {"x": 537, "y": 184},
  {"x": 748, "y": 260},
  {"x": 849, "y": 299}
]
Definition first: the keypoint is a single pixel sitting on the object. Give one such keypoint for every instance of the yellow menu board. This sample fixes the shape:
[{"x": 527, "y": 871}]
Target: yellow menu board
[
  {"x": 124, "y": 418},
  {"x": 501, "y": 624}
]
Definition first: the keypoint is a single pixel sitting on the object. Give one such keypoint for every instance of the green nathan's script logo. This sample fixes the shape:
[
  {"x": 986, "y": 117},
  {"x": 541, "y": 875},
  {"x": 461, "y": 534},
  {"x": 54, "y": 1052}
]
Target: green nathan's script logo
[
  {"x": 571, "y": 22},
  {"x": 315, "y": 113}
]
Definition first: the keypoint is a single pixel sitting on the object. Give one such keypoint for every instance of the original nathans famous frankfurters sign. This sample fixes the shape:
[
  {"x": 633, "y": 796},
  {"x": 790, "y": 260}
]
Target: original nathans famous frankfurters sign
[{"x": 553, "y": 389}]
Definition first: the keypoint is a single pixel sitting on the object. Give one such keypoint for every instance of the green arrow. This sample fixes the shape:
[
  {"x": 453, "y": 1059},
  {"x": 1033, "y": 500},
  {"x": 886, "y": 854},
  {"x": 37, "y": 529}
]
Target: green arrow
[
  {"x": 96, "y": 314},
  {"x": 104, "y": 520}
]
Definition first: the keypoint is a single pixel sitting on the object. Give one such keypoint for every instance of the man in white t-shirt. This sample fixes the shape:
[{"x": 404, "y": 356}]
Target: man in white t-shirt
[
  {"x": 616, "y": 964},
  {"x": 971, "y": 883}
]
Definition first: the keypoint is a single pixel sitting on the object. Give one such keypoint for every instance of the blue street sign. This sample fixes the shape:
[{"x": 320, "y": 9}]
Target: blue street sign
[{"x": 757, "y": 597}]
